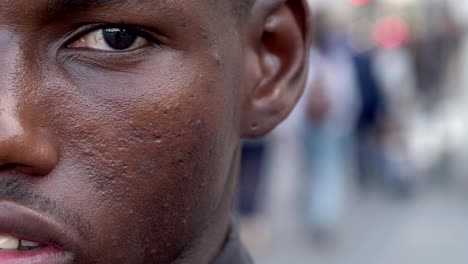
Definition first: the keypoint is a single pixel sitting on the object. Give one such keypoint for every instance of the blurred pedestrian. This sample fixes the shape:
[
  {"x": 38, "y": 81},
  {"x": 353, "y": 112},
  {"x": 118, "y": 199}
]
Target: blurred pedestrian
[{"x": 328, "y": 109}]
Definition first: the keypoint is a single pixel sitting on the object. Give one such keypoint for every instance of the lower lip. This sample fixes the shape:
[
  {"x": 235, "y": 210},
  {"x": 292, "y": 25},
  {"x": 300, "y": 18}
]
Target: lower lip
[{"x": 48, "y": 255}]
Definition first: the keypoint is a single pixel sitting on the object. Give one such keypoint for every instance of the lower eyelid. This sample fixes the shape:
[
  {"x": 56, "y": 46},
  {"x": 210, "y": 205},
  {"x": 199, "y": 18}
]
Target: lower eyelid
[{"x": 109, "y": 61}]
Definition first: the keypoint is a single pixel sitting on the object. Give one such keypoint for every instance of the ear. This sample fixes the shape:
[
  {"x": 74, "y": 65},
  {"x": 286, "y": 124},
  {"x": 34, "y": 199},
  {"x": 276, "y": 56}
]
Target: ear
[{"x": 276, "y": 63}]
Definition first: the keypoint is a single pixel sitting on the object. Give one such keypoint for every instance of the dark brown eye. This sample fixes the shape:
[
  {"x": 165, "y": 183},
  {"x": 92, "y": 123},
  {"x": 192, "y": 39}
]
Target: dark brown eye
[
  {"x": 111, "y": 39},
  {"x": 119, "y": 38}
]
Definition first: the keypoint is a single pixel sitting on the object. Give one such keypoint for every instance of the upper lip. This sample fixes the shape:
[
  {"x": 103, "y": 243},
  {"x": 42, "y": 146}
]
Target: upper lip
[{"x": 26, "y": 224}]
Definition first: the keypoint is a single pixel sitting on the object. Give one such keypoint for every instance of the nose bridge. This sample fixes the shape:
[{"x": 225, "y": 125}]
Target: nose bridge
[
  {"x": 6, "y": 37},
  {"x": 16, "y": 11},
  {"x": 10, "y": 124},
  {"x": 9, "y": 65},
  {"x": 22, "y": 142},
  {"x": 9, "y": 52}
]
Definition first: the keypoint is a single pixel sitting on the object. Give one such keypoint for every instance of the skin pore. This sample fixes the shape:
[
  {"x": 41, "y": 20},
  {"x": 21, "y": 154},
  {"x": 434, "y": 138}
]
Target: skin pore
[{"x": 132, "y": 150}]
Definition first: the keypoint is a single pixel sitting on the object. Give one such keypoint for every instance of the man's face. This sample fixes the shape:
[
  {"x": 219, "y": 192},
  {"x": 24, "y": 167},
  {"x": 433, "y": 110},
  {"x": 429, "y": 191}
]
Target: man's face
[{"x": 118, "y": 127}]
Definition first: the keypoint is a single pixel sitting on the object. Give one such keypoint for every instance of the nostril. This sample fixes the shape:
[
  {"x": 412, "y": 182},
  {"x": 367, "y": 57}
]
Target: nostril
[
  {"x": 26, "y": 170},
  {"x": 9, "y": 166},
  {"x": 17, "y": 168},
  {"x": 28, "y": 155}
]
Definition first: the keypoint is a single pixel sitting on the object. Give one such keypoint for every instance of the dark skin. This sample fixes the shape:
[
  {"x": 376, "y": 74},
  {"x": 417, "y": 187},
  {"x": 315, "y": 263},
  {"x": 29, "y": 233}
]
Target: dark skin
[{"x": 134, "y": 153}]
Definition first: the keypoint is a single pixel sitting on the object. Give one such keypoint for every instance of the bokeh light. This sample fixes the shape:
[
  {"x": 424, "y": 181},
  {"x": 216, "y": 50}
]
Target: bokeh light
[
  {"x": 359, "y": 2},
  {"x": 390, "y": 32}
]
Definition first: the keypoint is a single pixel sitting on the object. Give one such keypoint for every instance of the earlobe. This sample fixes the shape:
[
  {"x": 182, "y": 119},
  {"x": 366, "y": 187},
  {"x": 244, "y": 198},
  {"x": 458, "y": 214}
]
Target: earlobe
[{"x": 276, "y": 65}]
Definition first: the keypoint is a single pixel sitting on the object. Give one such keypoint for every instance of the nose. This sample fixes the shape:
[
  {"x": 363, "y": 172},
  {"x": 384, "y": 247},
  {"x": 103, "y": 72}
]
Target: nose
[
  {"x": 24, "y": 144},
  {"x": 25, "y": 150}
]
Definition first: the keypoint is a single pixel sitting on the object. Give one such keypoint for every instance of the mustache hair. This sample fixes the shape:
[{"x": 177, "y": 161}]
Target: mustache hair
[{"x": 11, "y": 189}]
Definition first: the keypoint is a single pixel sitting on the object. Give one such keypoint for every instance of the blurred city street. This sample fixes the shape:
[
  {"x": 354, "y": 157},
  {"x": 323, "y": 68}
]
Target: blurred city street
[
  {"x": 429, "y": 227},
  {"x": 371, "y": 167}
]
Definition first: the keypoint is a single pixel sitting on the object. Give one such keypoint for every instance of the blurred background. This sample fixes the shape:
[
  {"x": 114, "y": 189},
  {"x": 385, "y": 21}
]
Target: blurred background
[{"x": 371, "y": 167}]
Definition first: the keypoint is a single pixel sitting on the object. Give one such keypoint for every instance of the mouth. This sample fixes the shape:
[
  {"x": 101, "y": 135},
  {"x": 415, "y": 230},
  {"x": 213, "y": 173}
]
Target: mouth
[
  {"x": 29, "y": 237},
  {"x": 27, "y": 252}
]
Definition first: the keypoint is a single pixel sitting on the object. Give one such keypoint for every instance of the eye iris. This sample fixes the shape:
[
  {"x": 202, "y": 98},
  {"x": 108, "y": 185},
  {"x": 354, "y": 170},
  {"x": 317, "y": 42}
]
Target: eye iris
[{"x": 119, "y": 38}]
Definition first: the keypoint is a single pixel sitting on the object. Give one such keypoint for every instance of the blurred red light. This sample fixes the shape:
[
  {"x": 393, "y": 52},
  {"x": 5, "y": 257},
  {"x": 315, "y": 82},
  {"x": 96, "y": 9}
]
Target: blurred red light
[
  {"x": 358, "y": 2},
  {"x": 391, "y": 32}
]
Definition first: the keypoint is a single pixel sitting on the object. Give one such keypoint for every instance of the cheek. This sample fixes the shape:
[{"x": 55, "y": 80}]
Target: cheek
[
  {"x": 153, "y": 161},
  {"x": 155, "y": 194}
]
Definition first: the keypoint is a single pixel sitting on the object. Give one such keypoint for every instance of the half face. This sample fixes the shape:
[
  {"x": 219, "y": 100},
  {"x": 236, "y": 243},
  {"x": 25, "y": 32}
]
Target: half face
[{"x": 118, "y": 128}]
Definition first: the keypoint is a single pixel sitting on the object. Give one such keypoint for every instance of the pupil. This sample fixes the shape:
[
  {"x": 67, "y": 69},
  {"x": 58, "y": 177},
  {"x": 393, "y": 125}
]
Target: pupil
[{"x": 119, "y": 38}]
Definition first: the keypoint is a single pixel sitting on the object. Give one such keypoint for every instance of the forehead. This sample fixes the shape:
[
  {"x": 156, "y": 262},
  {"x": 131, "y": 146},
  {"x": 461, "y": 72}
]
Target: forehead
[
  {"x": 44, "y": 10},
  {"x": 95, "y": 3}
]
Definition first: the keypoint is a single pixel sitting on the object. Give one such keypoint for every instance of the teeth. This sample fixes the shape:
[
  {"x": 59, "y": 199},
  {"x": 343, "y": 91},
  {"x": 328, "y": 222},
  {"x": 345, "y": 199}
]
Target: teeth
[
  {"x": 11, "y": 243},
  {"x": 30, "y": 244},
  {"x": 8, "y": 242}
]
